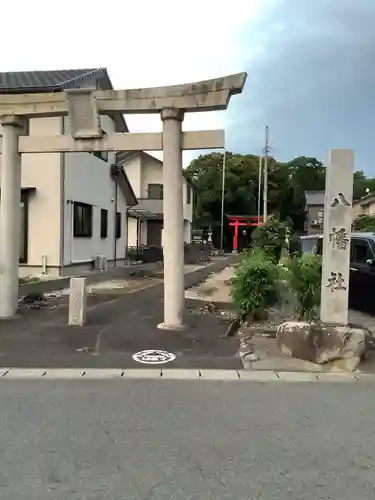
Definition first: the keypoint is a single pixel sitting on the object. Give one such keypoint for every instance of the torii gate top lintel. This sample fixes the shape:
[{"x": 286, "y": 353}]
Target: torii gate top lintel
[
  {"x": 83, "y": 106},
  {"x": 207, "y": 95}
]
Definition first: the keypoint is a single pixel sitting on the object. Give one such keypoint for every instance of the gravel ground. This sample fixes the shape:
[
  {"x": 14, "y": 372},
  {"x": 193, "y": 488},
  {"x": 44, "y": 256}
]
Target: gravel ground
[
  {"x": 259, "y": 338},
  {"x": 216, "y": 289}
]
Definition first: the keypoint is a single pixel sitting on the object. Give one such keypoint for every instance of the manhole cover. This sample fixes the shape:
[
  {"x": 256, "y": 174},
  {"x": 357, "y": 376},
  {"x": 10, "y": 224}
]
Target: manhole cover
[{"x": 154, "y": 357}]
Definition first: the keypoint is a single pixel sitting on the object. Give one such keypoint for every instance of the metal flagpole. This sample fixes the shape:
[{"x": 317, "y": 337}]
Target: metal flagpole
[{"x": 222, "y": 201}]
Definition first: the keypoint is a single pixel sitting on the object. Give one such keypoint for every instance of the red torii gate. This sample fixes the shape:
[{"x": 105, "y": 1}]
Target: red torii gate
[{"x": 237, "y": 221}]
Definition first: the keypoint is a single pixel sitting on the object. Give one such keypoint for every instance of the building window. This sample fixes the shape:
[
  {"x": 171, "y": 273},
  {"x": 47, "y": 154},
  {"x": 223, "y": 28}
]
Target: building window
[
  {"x": 102, "y": 155},
  {"x": 155, "y": 191},
  {"x": 118, "y": 225},
  {"x": 360, "y": 252},
  {"x": 103, "y": 223},
  {"x": 82, "y": 220},
  {"x": 188, "y": 194}
]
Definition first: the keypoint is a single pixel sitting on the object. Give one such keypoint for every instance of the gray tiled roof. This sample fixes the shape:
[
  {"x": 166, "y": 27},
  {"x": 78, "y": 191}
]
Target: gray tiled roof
[
  {"x": 46, "y": 80},
  {"x": 52, "y": 81},
  {"x": 314, "y": 198}
]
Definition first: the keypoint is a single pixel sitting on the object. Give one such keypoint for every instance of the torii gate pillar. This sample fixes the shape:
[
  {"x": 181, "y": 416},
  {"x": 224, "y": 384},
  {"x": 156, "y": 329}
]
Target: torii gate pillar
[
  {"x": 10, "y": 215},
  {"x": 173, "y": 217}
]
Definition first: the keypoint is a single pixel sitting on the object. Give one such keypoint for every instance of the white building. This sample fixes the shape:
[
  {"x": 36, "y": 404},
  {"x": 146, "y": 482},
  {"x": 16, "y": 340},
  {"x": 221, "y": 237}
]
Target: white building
[
  {"x": 73, "y": 205},
  {"x": 145, "y": 174}
]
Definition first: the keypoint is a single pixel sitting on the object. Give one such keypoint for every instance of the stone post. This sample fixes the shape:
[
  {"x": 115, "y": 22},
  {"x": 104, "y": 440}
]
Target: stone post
[
  {"x": 173, "y": 234},
  {"x": 77, "y": 302},
  {"x": 336, "y": 242},
  {"x": 10, "y": 214}
]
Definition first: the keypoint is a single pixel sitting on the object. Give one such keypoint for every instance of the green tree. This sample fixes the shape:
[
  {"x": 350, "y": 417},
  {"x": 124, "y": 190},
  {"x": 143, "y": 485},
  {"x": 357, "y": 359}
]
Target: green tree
[
  {"x": 270, "y": 238},
  {"x": 361, "y": 184},
  {"x": 365, "y": 222},
  {"x": 287, "y": 183},
  {"x": 307, "y": 174},
  {"x": 241, "y": 180},
  {"x": 241, "y": 185}
]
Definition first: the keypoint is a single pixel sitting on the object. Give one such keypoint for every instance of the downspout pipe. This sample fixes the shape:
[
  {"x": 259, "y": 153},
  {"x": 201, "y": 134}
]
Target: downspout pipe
[
  {"x": 127, "y": 235},
  {"x": 115, "y": 171},
  {"x": 115, "y": 219}
]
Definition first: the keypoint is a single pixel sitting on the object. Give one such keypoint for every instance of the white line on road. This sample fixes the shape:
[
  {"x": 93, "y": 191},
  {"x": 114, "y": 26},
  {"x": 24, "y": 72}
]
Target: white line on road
[{"x": 179, "y": 374}]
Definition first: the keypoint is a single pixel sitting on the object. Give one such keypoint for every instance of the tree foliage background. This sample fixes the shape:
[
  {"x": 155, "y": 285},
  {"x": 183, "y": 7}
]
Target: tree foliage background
[{"x": 286, "y": 188}]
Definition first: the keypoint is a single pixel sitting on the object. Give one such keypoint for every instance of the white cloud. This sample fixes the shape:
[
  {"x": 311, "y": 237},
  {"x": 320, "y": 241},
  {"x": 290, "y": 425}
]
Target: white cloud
[{"x": 141, "y": 43}]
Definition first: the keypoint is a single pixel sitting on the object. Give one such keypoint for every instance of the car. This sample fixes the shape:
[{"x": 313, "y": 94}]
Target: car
[
  {"x": 308, "y": 243},
  {"x": 362, "y": 267}
]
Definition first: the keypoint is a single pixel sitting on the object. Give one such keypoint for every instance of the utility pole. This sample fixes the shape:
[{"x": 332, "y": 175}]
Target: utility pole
[
  {"x": 260, "y": 175},
  {"x": 265, "y": 181},
  {"x": 222, "y": 202}
]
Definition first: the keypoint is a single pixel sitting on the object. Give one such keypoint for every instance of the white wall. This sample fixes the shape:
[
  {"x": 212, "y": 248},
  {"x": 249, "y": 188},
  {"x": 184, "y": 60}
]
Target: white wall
[
  {"x": 143, "y": 233},
  {"x": 187, "y": 231},
  {"x": 188, "y": 207},
  {"x": 88, "y": 180},
  {"x": 42, "y": 171},
  {"x": 132, "y": 232},
  {"x": 141, "y": 172},
  {"x": 133, "y": 171},
  {"x": 152, "y": 173}
]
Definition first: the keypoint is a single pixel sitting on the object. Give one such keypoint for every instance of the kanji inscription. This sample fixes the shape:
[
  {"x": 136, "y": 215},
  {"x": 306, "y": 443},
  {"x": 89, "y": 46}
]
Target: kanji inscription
[
  {"x": 340, "y": 200},
  {"x": 339, "y": 238},
  {"x": 336, "y": 282}
]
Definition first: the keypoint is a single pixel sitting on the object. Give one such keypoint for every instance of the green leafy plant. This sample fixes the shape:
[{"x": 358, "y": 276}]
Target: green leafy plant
[
  {"x": 270, "y": 237},
  {"x": 303, "y": 275},
  {"x": 133, "y": 254},
  {"x": 365, "y": 222},
  {"x": 254, "y": 284}
]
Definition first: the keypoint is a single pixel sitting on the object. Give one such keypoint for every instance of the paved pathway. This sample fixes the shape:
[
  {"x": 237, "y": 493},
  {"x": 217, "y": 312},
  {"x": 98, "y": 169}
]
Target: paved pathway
[
  {"x": 117, "y": 328},
  {"x": 151, "y": 440}
]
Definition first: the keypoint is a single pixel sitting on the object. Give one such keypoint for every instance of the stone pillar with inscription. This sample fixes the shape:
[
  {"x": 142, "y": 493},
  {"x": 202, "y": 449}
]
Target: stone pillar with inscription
[{"x": 336, "y": 242}]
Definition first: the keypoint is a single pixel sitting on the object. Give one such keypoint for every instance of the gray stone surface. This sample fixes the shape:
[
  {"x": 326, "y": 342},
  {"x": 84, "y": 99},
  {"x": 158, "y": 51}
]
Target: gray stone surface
[
  {"x": 341, "y": 346},
  {"x": 77, "y": 302},
  {"x": 336, "y": 242},
  {"x": 180, "y": 440}
]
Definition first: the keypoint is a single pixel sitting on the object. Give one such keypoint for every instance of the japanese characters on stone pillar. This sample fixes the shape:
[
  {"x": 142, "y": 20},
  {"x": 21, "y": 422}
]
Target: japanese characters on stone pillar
[{"x": 336, "y": 242}]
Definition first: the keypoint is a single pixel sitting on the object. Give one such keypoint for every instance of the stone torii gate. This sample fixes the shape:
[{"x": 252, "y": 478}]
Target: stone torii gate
[{"x": 83, "y": 106}]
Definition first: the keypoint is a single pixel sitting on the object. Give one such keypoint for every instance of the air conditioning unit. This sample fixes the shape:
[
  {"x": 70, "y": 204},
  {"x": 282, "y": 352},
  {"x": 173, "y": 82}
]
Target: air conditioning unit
[{"x": 100, "y": 263}]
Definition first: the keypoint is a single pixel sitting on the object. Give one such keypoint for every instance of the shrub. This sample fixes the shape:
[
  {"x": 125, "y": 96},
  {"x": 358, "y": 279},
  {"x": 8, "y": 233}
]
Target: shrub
[
  {"x": 133, "y": 254},
  {"x": 364, "y": 222},
  {"x": 303, "y": 274},
  {"x": 295, "y": 245},
  {"x": 270, "y": 237},
  {"x": 254, "y": 284}
]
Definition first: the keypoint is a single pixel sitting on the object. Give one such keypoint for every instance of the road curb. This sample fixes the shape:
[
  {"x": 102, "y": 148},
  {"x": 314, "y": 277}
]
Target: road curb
[{"x": 162, "y": 374}]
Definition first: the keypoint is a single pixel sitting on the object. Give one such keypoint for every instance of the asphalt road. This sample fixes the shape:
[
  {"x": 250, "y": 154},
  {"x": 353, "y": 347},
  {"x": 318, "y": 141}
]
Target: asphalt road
[{"x": 183, "y": 440}]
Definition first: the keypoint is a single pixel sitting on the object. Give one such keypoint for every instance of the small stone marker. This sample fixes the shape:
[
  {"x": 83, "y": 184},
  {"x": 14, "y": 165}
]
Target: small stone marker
[
  {"x": 337, "y": 232},
  {"x": 77, "y": 302}
]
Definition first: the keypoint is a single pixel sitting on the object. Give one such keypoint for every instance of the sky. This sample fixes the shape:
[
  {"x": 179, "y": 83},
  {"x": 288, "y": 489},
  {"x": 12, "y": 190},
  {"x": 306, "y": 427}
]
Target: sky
[{"x": 310, "y": 63}]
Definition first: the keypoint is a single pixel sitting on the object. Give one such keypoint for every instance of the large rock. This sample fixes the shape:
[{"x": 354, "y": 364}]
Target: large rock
[{"x": 340, "y": 347}]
